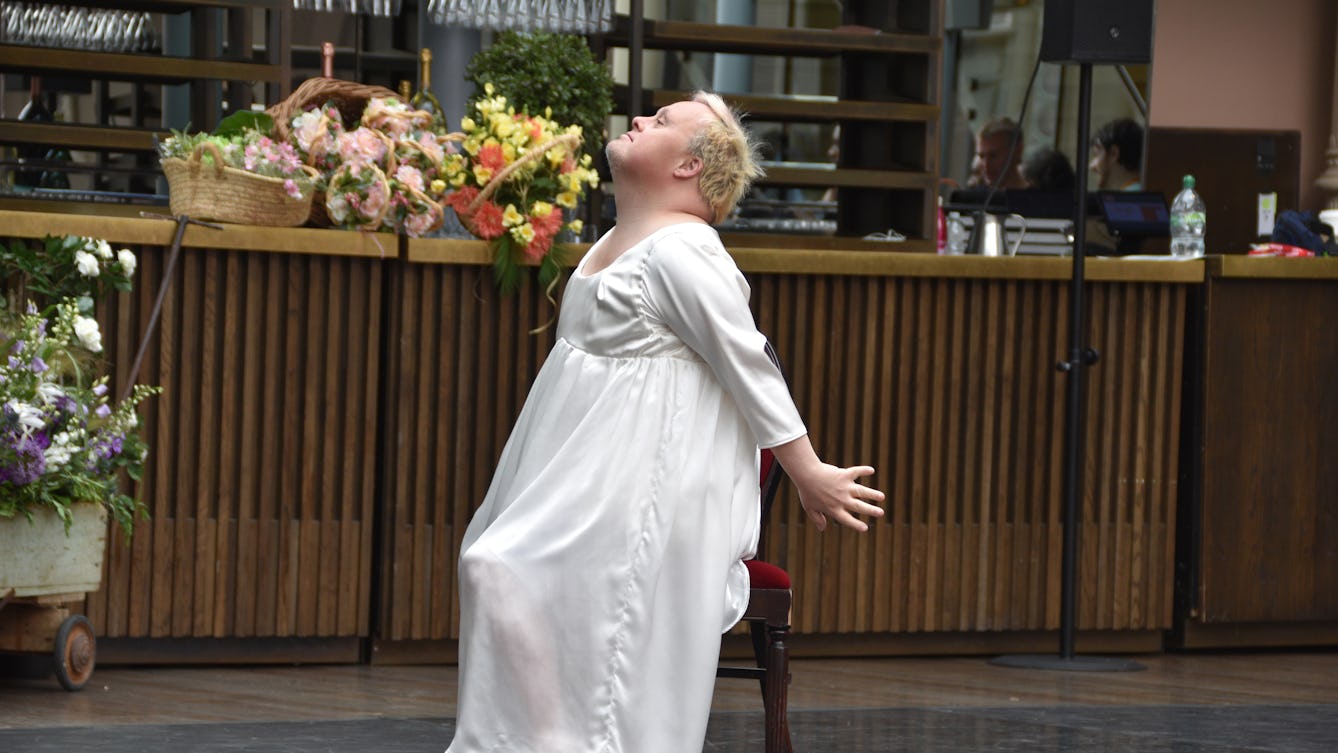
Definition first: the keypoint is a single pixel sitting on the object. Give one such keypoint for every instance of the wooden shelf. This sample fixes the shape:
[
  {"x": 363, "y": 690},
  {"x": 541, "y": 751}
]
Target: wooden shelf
[
  {"x": 129, "y": 226},
  {"x": 849, "y": 178},
  {"x": 91, "y": 137},
  {"x": 116, "y": 66},
  {"x": 183, "y": 6},
  {"x": 684, "y": 35},
  {"x": 309, "y": 57},
  {"x": 886, "y": 101},
  {"x": 234, "y": 77},
  {"x": 768, "y": 253},
  {"x": 804, "y": 109},
  {"x": 1260, "y": 267}
]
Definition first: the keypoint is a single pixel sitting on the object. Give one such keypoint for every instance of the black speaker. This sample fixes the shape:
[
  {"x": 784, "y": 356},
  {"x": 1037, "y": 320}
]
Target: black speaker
[{"x": 1097, "y": 31}]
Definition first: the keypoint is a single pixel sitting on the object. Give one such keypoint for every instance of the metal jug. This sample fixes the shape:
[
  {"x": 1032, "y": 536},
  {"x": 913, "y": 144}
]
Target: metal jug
[{"x": 987, "y": 235}]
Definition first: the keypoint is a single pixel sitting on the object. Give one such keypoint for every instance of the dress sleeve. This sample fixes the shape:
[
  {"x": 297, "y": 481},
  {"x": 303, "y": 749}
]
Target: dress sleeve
[{"x": 693, "y": 287}]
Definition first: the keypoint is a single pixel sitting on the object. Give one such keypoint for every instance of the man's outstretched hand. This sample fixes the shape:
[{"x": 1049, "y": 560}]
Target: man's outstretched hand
[{"x": 827, "y": 491}]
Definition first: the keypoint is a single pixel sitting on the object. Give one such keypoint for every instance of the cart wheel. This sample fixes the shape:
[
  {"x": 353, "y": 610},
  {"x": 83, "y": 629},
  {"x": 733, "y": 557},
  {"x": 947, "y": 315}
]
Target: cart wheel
[{"x": 76, "y": 649}]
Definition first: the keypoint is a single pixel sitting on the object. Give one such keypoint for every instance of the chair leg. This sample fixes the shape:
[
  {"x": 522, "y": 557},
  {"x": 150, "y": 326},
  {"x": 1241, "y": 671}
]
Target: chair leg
[
  {"x": 775, "y": 692},
  {"x": 760, "y": 635}
]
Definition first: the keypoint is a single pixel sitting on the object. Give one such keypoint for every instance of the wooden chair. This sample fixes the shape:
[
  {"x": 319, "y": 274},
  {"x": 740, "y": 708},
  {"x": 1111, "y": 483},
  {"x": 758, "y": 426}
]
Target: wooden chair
[{"x": 768, "y": 618}]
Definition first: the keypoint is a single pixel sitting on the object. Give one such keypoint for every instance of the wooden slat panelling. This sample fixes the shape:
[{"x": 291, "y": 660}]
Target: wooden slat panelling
[
  {"x": 959, "y": 378},
  {"x": 259, "y": 479},
  {"x": 284, "y": 375},
  {"x": 946, "y": 385},
  {"x": 463, "y": 362}
]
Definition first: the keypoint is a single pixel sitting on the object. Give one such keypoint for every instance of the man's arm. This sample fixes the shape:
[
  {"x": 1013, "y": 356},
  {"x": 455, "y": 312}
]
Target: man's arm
[{"x": 827, "y": 491}]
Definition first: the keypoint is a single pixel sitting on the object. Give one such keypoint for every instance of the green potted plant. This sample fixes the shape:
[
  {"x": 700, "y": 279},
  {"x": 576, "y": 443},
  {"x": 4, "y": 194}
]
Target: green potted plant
[{"x": 554, "y": 75}]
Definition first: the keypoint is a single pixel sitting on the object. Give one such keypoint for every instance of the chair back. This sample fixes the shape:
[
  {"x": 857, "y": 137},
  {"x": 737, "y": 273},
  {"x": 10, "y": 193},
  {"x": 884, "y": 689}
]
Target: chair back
[{"x": 771, "y": 474}]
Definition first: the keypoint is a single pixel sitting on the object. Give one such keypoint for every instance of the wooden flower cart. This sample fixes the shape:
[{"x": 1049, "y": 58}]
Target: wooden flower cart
[{"x": 43, "y": 573}]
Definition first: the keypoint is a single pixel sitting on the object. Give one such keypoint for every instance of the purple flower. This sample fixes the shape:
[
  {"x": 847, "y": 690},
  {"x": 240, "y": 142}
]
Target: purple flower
[
  {"x": 100, "y": 390},
  {"x": 67, "y": 405},
  {"x": 107, "y": 448},
  {"x": 29, "y": 462},
  {"x": 38, "y": 365},
  {"x": 103, "y": 411}
]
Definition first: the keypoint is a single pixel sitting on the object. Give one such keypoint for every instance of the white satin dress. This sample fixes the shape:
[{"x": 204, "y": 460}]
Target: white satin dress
[{"x": 605, "y": 561}]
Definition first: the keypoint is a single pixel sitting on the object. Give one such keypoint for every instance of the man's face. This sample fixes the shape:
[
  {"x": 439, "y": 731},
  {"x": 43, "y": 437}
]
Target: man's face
[
  {"x": 991, "y": 156},
  {"x": 658, "y": 143},
  {"x": 1103, "y": 159}
]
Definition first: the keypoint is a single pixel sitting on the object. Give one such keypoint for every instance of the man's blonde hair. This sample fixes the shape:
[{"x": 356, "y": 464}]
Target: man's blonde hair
[{"x": 729, "y": 156}]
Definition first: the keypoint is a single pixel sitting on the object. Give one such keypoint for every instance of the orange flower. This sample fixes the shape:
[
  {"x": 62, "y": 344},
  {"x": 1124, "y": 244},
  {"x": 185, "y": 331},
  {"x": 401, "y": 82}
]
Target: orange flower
[
  {"x": 536, "y": 130},
  {"x": 549, "y": 224},
  {"x": 461, "y": 198},
  {"x": 491, "y": 157},
  {"x": 535, "y": 249},
  {"x": 487, "y": 221}
]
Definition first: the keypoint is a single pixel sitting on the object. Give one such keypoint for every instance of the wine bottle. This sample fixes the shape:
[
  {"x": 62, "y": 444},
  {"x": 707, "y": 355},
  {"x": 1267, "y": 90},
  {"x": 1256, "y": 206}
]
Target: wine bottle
[
  {"x": 53, "y": 178},
  {"x": 36, "y": 111},
  {"x": 423, "y": 99}
]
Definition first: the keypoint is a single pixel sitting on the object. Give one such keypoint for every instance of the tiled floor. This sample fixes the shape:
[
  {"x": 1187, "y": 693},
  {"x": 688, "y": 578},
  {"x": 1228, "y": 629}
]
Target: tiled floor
[
  {"x": 1076, "y": 729},
  {"x": 1266, "y": 703}
]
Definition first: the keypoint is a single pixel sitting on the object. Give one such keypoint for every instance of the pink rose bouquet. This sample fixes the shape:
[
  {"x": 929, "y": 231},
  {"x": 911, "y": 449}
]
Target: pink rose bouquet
[
  {"x": 316, "y": 132},
  {"x": 358, "y": 196},
  {"x": 383, "y": 175}
]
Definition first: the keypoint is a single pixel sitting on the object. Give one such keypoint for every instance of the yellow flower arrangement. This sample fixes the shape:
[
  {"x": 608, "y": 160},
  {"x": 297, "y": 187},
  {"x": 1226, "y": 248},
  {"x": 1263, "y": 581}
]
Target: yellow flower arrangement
[{"x": 514, "y": 175}]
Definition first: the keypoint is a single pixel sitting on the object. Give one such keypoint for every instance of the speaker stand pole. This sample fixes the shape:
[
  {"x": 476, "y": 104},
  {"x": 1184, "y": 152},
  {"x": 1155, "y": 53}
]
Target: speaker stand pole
[{"x": 1079, "y": 358}]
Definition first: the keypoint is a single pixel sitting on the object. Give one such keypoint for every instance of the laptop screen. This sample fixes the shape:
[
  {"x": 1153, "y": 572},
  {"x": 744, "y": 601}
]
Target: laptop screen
[{"x": 1135, "y": 213}]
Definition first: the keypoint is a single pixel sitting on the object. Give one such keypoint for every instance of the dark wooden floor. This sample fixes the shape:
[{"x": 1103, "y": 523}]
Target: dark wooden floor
[{"x": 258, "y": 694}]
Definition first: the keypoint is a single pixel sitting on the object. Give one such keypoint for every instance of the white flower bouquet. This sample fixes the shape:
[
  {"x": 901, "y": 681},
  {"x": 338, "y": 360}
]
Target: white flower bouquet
[{"x": 63, "y": 439}]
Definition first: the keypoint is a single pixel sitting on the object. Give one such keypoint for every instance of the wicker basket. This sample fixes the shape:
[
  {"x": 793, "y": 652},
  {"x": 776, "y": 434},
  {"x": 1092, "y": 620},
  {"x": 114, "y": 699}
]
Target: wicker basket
[
  {"x": 226, "y": 194},
  {"x": 350, "y": 97},
  {"x": 569, "y": 140}
]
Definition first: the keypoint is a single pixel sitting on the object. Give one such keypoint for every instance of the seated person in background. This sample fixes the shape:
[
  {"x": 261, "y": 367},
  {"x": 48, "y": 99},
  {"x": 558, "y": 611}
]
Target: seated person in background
[
  {"x": 1117, "y": 156},
  {"x": 998, "y": 154},
  {"x": 1047, "y": 169}
]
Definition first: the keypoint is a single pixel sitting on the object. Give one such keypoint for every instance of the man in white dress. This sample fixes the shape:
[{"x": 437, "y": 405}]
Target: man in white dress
[{"x": 606, "y": 559}]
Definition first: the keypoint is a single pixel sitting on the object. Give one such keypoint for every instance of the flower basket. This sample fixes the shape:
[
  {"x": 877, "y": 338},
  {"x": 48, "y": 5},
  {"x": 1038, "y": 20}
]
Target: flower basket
[
  {"x": 37, "y": 558},
  {"x": 43, "y": 570},
  {"x": 349, "y": 96},
  {"x": 368, "y": 184},
  {"x": 469, "y": 214},
  {"x": 226, "y": 194}
]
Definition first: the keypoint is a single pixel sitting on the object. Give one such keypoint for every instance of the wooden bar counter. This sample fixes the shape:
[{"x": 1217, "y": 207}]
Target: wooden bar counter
[
  {"x": 1260, "y": 526},
  {"x": 335, "y": 403}
]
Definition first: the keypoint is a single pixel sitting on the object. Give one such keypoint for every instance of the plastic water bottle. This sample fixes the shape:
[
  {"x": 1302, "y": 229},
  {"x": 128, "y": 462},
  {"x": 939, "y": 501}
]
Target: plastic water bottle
[
  {"x": 1188, "y": 218},
  {"x": 958, "y": 235}
]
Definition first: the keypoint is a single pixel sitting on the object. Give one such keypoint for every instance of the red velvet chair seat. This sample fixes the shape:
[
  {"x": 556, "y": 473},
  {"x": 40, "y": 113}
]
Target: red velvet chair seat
[{"x": 766, "y": 575}]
